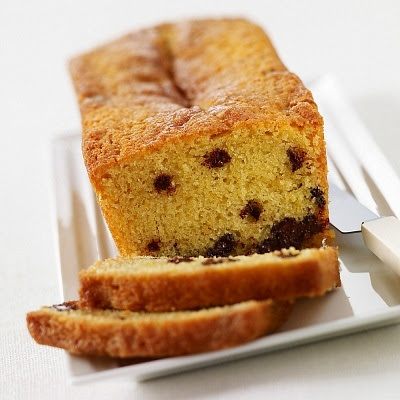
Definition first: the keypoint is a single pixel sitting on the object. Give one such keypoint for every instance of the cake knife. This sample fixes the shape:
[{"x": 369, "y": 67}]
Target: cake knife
[{"x": 381, "y": 234}]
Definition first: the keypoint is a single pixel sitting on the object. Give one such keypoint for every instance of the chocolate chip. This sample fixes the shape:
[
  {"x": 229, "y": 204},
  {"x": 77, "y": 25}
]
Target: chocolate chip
[
  {"x": 318, "y": 195},
  {"x": 223, "y": 247},
  {"x": 178, "y": 260},
  {"x": 66, "y": 306},
  {"x": 154, "y": 245},
  {"x": 312, "y": 225},
  {"x": 296, "y": 158},
  {"x": 216, "y": 158},
  {"x": 211, "y": 261},
  {"x": 164, "y": 183},
  {"x": 253, "y": 209},
  {"x": 267, "y": 245},
  {"x": 290, "y": 232}
]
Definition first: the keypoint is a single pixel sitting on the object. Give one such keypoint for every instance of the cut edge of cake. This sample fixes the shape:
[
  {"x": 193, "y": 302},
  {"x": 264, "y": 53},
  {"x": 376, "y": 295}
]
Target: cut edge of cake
[
  {"x": 174, "y": 121},
  {"x": 179, "y": 283},
  {"x": 128, "y": 334}
]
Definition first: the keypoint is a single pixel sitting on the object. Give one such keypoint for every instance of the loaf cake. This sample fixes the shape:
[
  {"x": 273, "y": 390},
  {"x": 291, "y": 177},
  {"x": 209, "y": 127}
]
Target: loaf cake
[
  {"x": 184, "y": 283},
  {"x": 131, "y": 334},
  {"x": 198, "y": 141}
]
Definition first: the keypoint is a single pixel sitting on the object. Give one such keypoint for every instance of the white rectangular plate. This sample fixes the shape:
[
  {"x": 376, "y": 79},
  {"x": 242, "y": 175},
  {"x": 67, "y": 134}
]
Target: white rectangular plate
[{"x": 369, "y": 297}]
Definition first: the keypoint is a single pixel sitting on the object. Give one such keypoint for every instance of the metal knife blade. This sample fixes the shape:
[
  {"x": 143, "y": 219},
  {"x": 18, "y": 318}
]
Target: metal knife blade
[
  {"x": 346, "y": 214},
  {"x": 381, "y": 234}
]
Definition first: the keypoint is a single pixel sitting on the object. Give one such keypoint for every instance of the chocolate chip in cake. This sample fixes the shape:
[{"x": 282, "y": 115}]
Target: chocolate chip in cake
[
  {"x": 296, "y": 158},
  {"x": 212, "y": 261},
  {"x": 312, "y": 226},
  {"x": 154, "y": 245},
  {"x": 66, "y": 306},
  {"x": 266, "y": 246},
  {"x": 318, "y": 195},
  {"x": 164, "y": 183},
  {"x": 178, "y": 260},
  {"x": 290, "y": 232},
  {"x": 252, "y": 209},
  {"x": 223, "y": 247},
  {"x": 216, "y": 158}
]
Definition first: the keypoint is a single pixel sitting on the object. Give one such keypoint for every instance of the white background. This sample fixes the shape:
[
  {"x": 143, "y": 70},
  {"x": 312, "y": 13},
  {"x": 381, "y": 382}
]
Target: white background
[{"x": 358, "y": 41}]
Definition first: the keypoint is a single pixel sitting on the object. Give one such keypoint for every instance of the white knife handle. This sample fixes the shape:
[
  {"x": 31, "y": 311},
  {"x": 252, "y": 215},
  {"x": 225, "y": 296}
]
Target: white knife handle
[{"x": 382, "y": 237}]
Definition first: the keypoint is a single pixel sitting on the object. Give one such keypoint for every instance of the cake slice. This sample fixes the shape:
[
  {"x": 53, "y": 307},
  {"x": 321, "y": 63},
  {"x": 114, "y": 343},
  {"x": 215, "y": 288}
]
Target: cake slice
[
  {"x": 182, "y": 283},
  {"x": 131, "y": 334},
  {"x": 198, "y": 141}
]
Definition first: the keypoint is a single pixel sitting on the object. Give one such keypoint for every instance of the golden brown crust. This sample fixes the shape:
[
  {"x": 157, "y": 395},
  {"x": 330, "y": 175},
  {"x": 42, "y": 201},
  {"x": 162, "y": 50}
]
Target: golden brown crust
[
  {"x": 119, "y": 334},
  {"x": 156, "y": 102},
  {"x": 212, "y": 285},
  {"x": 176, "y": 81}
]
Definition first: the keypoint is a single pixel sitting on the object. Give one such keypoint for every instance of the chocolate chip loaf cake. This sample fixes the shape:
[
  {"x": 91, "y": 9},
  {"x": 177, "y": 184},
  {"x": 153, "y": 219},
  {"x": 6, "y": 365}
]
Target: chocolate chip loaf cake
[
  {"x": 185, "y": 283},
  {"x": 198, "y": 141},
  {"x": 132, "y": 334}
]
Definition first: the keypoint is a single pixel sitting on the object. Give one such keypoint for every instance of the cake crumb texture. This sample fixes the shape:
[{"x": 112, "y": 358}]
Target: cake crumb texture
[
  {"x": 131, "y": 334},
  {"x": 178, "y": 283},
  {"x": 188, "y": 126}
]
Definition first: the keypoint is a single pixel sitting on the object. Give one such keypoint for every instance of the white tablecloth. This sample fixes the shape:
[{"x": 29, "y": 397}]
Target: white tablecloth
[{"x": 357, "y": 41}]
